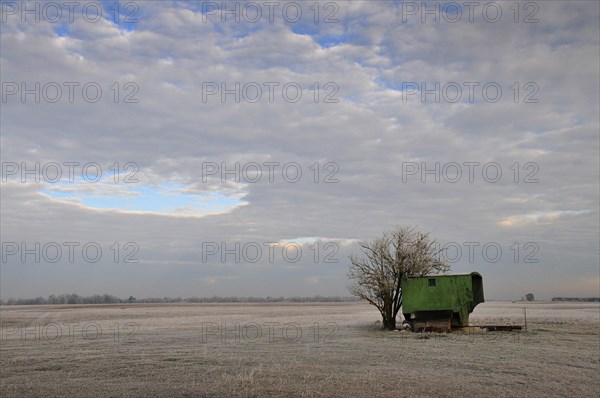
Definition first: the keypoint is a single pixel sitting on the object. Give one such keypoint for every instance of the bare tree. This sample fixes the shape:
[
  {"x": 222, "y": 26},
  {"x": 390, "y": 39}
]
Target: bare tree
[{"x": 377, "y": 275}]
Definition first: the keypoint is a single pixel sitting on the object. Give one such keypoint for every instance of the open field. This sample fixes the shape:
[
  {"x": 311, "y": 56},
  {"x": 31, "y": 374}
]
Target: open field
[{"x": 292, "y": 350}]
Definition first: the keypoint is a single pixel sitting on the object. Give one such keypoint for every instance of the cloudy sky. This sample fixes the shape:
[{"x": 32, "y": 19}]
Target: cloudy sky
[{"x": 170, "y": 148}]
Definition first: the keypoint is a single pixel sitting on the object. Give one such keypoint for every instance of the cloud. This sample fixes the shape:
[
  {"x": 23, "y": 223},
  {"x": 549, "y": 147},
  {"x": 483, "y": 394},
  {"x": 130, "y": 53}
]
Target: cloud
[
  {"x": 165, "y": 199},
  {"x": 351, "y": 152},
  {"x": 543, "y": 217}
]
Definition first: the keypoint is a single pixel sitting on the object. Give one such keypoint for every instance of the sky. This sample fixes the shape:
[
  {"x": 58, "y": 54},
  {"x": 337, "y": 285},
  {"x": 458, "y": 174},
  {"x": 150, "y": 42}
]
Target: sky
[{"x": 170, "y": 148}]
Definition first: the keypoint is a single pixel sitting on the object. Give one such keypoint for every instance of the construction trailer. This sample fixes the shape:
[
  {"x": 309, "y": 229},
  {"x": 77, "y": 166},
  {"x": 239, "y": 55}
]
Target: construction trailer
[{"x": 441, "y": 301}]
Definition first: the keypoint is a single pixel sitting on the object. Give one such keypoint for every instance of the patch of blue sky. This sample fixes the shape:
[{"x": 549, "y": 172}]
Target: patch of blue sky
[
  {"x": 300, "y": 28},
  {"x": 321, "y": 36},
  {"x": 329, "y": 41},
  {"x": 203, "y": 6},
  {"x": 167, "y": 198},
  {"x": 125, "y": 14},
  {"x": 388, "y": 83},
  {"x": 62, "y": 29},
  {"x": 241, "y": 32}
]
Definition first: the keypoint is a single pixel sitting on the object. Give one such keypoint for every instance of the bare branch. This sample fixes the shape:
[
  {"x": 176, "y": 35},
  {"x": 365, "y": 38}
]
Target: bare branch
[{"x": 398, "y": 254}]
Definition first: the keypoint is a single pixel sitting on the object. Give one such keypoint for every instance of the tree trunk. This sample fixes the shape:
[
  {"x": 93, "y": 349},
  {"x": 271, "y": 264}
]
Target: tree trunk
[
  {"x": 390, "y": 323},
  {"x": 389, "y": 318}
]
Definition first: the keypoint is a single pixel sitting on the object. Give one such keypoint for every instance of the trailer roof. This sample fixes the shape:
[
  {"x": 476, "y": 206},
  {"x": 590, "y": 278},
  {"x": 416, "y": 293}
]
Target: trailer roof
[{"x": 441, "y": 275}]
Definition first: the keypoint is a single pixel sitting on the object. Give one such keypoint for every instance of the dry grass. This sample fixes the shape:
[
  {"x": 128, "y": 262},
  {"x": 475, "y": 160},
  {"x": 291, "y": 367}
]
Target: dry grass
[{"x": 170, "y": 353}]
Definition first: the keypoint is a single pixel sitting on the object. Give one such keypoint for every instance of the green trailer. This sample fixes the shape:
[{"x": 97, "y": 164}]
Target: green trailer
[{"x": 441, "y": 299}]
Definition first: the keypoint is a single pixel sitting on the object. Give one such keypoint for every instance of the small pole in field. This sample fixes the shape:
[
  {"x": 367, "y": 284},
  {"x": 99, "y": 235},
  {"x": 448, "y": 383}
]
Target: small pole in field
[{"x": 525, "y": 314}]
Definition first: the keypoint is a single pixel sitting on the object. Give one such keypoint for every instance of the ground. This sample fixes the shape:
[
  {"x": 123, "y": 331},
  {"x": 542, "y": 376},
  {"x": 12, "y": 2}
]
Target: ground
[{"x": 293, "y": 350}]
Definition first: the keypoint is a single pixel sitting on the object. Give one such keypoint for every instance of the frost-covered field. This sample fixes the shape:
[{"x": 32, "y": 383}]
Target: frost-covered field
[{"x": 289, "y": 350}]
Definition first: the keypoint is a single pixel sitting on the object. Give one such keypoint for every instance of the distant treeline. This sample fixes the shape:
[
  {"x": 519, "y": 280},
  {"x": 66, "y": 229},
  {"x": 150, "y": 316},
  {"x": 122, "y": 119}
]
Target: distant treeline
[
  {"x": 110, "y": 299},
  {"x": 586, "y": 299}
]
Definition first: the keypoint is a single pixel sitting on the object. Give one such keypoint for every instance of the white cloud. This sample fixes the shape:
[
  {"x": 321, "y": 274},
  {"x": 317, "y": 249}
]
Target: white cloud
[
  {"x": 540, "y": 217},
  {"x": 368, "y": 134}
]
